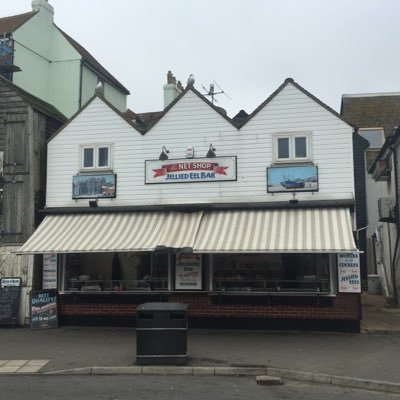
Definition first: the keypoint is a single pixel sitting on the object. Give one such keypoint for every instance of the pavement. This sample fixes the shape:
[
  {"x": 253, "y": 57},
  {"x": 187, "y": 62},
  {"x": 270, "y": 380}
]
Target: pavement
[{"x": 368, "y": 360}]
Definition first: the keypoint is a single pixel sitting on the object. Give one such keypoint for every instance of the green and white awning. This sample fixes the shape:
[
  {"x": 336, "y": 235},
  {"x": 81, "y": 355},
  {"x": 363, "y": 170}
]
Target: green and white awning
[{"x": 327, "y": 230}]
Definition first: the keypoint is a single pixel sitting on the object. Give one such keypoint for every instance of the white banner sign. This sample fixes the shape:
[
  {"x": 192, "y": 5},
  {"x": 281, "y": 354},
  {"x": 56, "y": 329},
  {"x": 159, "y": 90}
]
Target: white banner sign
[
  {"x": 349, "y": 276},
  {"x": 191, "y": 170},
  {"x": 188, "y": 272},
  {"x": 49, "y": 271}
]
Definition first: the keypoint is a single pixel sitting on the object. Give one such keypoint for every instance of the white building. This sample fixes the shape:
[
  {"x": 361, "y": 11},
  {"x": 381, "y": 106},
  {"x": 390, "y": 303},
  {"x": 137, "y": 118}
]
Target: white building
[{"x": 239, "y": 221}]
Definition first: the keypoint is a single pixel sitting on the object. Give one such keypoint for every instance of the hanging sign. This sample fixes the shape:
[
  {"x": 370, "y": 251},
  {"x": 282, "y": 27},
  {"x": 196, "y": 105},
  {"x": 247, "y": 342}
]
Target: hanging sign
[
  {"x": 191, "y": 170},
  {"x": 44, "y": 309},
  {"x": 49, "y": 271},
  {"x": 349, "y": 277},
  {"x": 188, "y": 272}
]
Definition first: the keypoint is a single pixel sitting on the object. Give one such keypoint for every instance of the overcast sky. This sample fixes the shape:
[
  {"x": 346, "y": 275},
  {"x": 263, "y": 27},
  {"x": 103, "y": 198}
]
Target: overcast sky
[{"x": 329, "y": 47}]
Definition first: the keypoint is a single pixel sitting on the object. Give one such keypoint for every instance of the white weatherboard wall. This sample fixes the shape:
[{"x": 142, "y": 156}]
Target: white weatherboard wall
[{"x": 192, "y": 122}]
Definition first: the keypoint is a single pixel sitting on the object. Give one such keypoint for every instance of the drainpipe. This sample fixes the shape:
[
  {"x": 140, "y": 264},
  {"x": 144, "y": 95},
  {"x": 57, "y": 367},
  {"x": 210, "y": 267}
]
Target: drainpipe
[
  {"x": 396, "y": 212},
  {"x": 80, "y": 85}
]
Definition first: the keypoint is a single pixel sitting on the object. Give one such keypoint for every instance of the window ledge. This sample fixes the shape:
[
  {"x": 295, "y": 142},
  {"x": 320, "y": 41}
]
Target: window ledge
[
  {"x": 292, "y": 162},
  {"x": 95, "y": 170}
]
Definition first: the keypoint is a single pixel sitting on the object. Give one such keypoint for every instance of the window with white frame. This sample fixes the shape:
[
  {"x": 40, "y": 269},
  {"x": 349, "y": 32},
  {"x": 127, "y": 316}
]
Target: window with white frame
[
  {"x": 96, "y": 157},
  {"x": 292, "y": 147}
]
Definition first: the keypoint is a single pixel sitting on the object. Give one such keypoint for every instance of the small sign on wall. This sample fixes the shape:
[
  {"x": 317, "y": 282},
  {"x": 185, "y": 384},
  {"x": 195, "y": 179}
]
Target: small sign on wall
[
  {"x": 349, "y": 277},
  {"x": 94, "y": 186},
  {"x": 188, "y": 272},
  {"x": 49, "y": 271},
  {"x": 292, "y": 179}
]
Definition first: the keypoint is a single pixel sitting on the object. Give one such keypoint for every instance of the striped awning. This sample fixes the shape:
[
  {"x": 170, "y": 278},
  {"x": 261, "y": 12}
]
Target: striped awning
[
  {"x": 180, "y": 230},
  {"x": 260, "y": 231},
  {"x": 113, "y": 232}
]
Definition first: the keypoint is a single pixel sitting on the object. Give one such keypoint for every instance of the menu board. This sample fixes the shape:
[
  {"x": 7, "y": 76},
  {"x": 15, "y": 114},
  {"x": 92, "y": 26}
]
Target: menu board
[
  {"x": 10, "y": 297},
  {"x": 49, "y": 271},
  {"x": 188, "y": 272},
  {"x": 44, "y": 309},
  {"x": 349, "y": 277}
]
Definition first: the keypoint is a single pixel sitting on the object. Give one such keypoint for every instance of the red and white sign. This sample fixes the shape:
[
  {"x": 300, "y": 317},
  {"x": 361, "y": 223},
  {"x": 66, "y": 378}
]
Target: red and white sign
[{"x": 195, "y": 170}]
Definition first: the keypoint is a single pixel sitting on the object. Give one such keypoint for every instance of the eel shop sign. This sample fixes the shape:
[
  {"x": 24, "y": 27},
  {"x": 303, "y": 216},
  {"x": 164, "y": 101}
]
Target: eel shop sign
[
  {"x": 349, "y": 273},
  {"x": 191, "y": 170}
]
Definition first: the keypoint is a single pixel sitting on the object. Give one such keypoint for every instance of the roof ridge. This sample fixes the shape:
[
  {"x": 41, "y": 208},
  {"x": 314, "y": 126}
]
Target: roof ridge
[
  {"x": 92, "y": 61},
  {"x": 18, "y": 15},
  {"x": 13, "y": 22}
]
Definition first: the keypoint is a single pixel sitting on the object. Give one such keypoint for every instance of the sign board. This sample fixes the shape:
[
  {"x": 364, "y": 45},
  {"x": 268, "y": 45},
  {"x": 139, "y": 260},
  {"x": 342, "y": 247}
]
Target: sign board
[
  {"x": 349, "y": 277},
  {"x": 44, "y": 309},
  {"x": 191, "y": 170},
  {"x": 188, "y": 272},
  {"x": 10, "y": 297},
  {"x": 292, "y": 179},
  {"x": 49, "y": 271},
  {"x": 94, "y": 186}
]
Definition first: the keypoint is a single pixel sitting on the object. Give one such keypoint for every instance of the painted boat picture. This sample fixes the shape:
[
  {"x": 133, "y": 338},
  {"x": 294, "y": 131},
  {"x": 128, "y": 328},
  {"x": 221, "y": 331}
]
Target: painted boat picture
[{"x": 292, "y": 179}]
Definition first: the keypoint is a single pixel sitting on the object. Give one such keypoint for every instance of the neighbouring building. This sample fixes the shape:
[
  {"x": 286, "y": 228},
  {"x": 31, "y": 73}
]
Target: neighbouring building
[
  {"x": 249, "y": 220},
  {"x": 39, "y": 57},
  {"x": 386, "y": 239},
  {"x": 26, "y": 123},
  {"x": 376, "y": 116}
]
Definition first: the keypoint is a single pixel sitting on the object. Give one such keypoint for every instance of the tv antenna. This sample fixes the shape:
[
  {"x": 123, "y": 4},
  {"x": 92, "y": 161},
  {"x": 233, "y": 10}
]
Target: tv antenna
[{"x": 212, "y": 93}]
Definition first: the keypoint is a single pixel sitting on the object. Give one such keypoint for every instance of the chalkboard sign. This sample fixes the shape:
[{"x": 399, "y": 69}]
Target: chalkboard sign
[
  {"x": 10, "y": 297},
  {"x": 44, "y": 309}
]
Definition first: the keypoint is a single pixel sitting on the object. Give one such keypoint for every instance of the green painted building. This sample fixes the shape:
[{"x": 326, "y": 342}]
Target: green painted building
[{"x": 39, "y": 57}]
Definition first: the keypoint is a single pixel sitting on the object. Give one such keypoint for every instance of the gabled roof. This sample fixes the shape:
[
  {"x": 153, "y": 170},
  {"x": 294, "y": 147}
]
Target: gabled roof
[
  {"x": 219, "y": 110},
  {"x": 124, "y": 116},
  {"x": 373, "y": 110},
  {"x": 239, "y": 120},
  {"x": 92, "y": 62},
  {"x": 144, "y": 122},
  {"x": 296, "y": 85},
  {"x": 10, "y": 24},
  {"x": 35, "y": 102}
]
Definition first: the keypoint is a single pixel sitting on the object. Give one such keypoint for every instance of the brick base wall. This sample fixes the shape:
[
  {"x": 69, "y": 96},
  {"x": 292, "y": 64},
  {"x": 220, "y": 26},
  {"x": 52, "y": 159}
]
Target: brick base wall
[{"x": 200, "y": 305}]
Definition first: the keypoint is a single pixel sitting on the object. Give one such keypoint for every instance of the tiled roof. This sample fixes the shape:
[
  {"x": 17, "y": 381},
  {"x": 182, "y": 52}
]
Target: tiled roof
[
  {"x": 373, "y": 111},
  {"x": 10, "y": 24},
  {"x": 142, "y": 120},
  {"x": 91, "y": 61},
  {"x": 35, "y": 102}
]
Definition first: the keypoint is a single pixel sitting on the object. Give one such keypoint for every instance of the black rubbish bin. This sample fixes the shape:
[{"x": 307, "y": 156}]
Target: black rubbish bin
[{"x": 161, "y": 334}]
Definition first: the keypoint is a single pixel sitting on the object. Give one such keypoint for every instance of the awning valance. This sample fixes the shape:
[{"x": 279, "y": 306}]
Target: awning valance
[
  {"x": 278, "y": 231},
  {"x": 113, "y": 232}
]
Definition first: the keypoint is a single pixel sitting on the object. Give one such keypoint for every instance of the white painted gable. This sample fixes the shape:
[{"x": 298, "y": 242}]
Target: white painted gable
[{"x": 192, "y": 122}]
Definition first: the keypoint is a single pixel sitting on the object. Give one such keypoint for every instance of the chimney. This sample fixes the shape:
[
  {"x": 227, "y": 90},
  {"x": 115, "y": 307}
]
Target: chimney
[
  {"x": 39, "y": 5},
  {"x": 171, "y": 89}
]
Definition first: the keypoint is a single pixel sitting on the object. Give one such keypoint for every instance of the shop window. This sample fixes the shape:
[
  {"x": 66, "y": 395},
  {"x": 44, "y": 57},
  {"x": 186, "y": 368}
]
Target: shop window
[
  {"x": 96, "y": 157},
  {"x": 292, "y": 147},
  {"x": 107, "y": 272},
  {"x": 271, "y": 272}
]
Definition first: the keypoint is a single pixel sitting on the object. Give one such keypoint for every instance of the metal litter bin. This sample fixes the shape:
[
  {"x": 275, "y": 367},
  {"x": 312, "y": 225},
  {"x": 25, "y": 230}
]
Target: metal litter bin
[{"x": 161, "y": 334}]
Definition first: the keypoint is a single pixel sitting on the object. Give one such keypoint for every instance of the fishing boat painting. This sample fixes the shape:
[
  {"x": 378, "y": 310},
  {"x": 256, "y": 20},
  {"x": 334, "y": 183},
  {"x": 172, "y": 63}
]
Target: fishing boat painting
[{"x": 292, "y": 179}]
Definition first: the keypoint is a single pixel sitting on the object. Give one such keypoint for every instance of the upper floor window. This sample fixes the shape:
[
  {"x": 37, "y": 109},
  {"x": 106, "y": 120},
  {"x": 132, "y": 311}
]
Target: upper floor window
[
  {"x": 292, "y": 147},
  {"x": 96, "y": 157}
]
